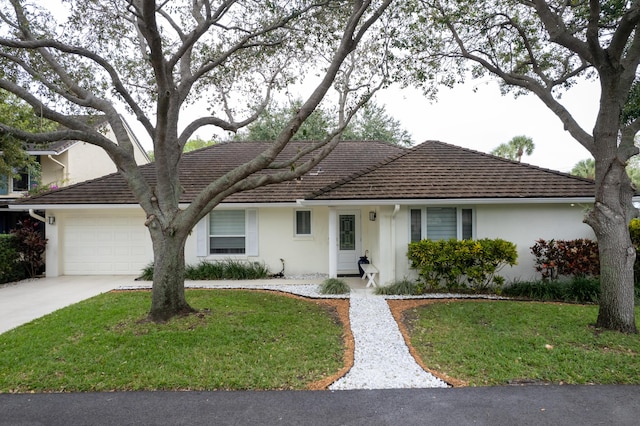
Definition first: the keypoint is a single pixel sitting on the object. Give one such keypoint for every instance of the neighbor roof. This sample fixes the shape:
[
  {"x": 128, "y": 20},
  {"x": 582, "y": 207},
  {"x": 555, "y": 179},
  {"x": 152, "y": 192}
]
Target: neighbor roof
[
  {"x": 58, "y": 147},
  {"x": 355, "y": 170}
]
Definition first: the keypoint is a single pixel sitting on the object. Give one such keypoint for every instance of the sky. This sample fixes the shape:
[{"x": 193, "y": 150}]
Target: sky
[{"x": 482, "y": 119}]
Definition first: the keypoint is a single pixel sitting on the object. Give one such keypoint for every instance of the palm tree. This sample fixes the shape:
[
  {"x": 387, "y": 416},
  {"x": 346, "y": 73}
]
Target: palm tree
[
  {"x": 515, "y": 148},
  {"x": 585, "y": 168}
]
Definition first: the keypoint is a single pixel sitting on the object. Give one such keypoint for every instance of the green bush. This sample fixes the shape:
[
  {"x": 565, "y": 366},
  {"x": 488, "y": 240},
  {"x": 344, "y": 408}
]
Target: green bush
[
  {"x": 579, "y": 290},
  {"x": 10, "y": 268},
  {"x": 229, "y": 269},
  {"x": 401, "y": 287},
  {"x": 334, "y": 286},
  {"x": 461, "y": 264},
  {"x": 535, "y": 290}
]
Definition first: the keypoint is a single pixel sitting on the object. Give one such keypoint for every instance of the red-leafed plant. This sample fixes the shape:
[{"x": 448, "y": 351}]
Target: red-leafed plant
[
  {"x": 31, "y": 246},
  {"x": 573, "y": 258}
]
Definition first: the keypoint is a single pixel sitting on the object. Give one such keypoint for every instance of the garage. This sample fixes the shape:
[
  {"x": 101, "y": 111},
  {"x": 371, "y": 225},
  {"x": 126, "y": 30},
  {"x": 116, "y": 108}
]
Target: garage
[{"x": 106, "y": 244}]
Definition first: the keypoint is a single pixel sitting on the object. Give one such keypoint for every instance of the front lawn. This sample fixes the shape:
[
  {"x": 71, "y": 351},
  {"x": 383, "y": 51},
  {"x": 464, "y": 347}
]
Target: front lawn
[
  {"x": 500, "y": 342},
  {"x": 239, "y": 340}
]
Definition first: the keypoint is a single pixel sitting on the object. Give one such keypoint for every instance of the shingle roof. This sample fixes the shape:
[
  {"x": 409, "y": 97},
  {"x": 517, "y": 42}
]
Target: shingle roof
[
  {"x": 436, "y": 170},
  {"x": 198, "y": 168},
  {"x": 355, "y": 170}
]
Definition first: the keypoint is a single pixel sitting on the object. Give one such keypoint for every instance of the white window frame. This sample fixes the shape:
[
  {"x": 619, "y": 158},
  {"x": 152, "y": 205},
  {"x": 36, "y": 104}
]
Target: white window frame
[
  {"x": 251, "y": 246},
  {"x": 459, "y": 209},
  {"x": 295, "y": 223}
]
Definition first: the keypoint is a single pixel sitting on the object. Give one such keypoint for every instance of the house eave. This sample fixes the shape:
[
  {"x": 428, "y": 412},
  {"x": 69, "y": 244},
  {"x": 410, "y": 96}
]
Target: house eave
[
  {"x": 24, "y": 206},
  {"x": 450, "y": 201}
]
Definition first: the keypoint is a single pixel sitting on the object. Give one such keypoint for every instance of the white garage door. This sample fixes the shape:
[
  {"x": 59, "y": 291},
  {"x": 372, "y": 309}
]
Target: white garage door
[{"x": 105, "y": 245}]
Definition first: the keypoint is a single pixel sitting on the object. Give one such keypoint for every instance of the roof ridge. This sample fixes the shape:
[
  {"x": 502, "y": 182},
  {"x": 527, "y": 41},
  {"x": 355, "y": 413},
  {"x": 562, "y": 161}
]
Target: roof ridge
[{"x": 364, "y": 171}]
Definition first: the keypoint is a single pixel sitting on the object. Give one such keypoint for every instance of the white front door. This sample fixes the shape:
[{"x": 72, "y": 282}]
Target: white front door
[{"x": 349, "y": 250}]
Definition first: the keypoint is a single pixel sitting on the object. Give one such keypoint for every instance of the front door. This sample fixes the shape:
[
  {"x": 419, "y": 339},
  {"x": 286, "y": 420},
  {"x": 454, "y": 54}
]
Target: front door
[{"x": 349, "y": 251}]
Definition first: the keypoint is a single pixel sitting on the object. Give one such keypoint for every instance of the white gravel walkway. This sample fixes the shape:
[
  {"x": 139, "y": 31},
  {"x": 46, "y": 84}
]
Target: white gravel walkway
[{"x": 382, "y": 359}]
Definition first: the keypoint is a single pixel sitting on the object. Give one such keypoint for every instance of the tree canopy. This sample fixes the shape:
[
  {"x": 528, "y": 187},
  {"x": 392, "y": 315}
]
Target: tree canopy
[
  {"x": 155, "y": 59},
  {"x": 371, "y": 123}
]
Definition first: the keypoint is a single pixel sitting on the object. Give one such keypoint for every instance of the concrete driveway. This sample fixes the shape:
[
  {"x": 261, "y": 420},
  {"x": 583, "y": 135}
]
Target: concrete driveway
[{"x": 25, "y": 301}]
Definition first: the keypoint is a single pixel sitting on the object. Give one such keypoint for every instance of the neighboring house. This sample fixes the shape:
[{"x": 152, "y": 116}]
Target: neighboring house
[
  {"x": 61, "y": 164},
  {"x": 365, "y": 196}
]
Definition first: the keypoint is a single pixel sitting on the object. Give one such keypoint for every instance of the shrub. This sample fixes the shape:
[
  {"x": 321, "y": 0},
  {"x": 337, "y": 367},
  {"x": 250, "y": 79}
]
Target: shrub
[
  {"x": 535, "y": 290},
  {"x": 10, "y": 268},
  {"x": 583, "y": 290},
  {"x": 229, "y": 269},
  {"x": 401, "y": 287},
  {"x": 573, "y": 258},
  {"x": 334, "y": 286},
  {"x": 464, "y": 264},
  {"x": 30, "y": 247},
  {"x": 578, "y": 289}
]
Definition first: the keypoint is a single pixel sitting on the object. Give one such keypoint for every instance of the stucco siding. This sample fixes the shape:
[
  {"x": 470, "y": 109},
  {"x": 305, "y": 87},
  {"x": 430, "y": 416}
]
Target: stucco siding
[
  {"x": 524, "y": 224},
  {"x": 277, "y": 240},
  {"x": 521, "y": 224}
]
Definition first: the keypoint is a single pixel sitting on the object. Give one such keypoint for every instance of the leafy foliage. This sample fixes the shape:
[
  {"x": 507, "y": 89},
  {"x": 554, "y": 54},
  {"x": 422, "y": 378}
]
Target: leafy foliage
[
  {"x": 10, "y": 267},
  {"x": 30, "y": 246},
  {"x": 371, "y": 123},
  {"x": 461, "y": 264},
  {"x": 573, "y": 258},
  {"x": 578, "y": 290},
  {"x": 334, "y": 286},
  {"x": 228, "y": 269}
]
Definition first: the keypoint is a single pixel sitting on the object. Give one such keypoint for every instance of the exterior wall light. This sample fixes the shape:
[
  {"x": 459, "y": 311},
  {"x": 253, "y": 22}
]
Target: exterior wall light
[
  {"x": 51, "y": 220},
  {"x": 372, "y": 216}
]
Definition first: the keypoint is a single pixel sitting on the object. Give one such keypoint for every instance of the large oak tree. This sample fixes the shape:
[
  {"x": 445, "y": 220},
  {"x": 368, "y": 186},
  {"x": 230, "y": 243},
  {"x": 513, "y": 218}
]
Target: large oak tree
[
  {"x": 543, "y": 47},
  {"x": 157, "y": 58}
]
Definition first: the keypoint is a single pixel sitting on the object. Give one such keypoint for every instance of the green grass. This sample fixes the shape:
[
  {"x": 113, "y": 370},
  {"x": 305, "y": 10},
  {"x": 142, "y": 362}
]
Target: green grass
[
  {"x": 496, "y": 343},
  {"x": 240, "y": 340}
]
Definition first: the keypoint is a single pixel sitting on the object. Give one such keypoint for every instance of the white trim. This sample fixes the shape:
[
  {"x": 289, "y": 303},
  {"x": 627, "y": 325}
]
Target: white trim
[
  {"x": 221, "y": 206},
  {"x": 448, "y": 201}
]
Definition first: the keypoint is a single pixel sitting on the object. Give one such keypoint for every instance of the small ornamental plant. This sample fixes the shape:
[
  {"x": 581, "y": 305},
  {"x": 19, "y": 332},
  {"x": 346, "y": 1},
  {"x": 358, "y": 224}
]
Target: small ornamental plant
[{"x": 30, "y": 246}]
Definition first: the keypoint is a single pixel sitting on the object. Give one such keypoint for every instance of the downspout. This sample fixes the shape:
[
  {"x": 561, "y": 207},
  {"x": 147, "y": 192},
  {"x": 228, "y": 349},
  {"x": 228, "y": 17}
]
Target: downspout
[
  {"x": 64, "y": 168},
  {"x": 396, "y": 209},
  {"x": 36, "y": 216}
]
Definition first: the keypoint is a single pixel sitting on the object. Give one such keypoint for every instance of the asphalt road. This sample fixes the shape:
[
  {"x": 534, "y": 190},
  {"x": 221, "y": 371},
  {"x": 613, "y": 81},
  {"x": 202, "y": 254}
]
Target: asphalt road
[{"x": 510, "y": 405}]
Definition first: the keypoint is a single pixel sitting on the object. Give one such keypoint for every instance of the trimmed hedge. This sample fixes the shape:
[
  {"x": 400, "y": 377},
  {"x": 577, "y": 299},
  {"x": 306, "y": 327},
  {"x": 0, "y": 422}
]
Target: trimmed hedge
[
  {"x": 11, "y": 269},
  {"x": 461, "y": 264}
]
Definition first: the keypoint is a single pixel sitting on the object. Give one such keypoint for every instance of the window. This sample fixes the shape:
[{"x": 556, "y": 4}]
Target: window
[
  {"x": 303, "y": 222},
  {"x": 227, "y": 232},
  {"x": 441, "y": 223},
  {"x": 4, "y": 185},
  {"x": 21, "y": 181}
]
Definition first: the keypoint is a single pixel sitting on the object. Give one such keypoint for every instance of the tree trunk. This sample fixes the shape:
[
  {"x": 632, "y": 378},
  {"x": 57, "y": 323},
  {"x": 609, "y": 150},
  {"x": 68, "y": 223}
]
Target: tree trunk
[
  {"x": 168, "y": 298},
  {"x": 617, "y": 256},
  {"x": 609, "y": 218}
]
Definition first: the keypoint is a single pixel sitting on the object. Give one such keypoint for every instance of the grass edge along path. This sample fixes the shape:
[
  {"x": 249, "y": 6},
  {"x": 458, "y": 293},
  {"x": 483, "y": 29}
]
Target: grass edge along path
[
  {"x": 480, "y": 343},
  {"x": 37, "y": 359}
]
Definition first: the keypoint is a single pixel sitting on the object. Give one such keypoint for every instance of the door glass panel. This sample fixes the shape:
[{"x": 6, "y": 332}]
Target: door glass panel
[{"x": 347, "y": 232}]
